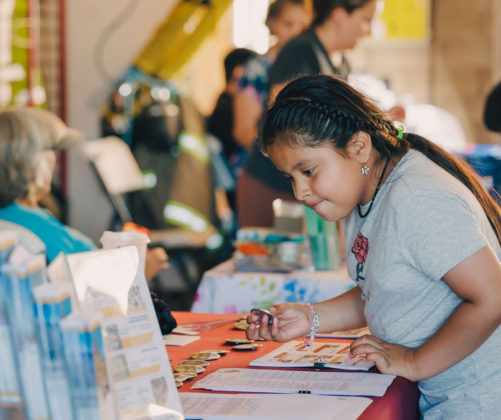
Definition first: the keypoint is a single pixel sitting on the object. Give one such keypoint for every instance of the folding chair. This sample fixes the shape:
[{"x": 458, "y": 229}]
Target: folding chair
[{"x": 119, "y": 175}]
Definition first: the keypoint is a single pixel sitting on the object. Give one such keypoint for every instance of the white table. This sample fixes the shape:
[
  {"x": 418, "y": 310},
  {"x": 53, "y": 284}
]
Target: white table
[{"x": 224, "y": 290}]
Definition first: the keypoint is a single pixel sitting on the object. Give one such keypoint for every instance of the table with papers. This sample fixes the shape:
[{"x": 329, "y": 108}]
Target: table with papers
[
  {"x": 398, "y": 402},
  {"x": 225, "y": 290}
]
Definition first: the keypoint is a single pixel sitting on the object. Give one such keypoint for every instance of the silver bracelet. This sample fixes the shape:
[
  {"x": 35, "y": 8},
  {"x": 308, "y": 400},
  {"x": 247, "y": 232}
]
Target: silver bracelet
[{"x": 315, "y": 325}]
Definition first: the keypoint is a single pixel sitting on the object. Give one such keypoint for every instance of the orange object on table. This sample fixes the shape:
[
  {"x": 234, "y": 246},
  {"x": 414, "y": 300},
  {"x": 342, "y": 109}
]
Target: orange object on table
[
  {"x": 133, "y": 227},
  {"x": 252, "y": 248}
]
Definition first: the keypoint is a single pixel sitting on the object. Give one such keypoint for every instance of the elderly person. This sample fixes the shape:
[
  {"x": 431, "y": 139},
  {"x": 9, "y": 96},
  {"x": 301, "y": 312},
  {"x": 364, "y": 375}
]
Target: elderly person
[{"x": 29, "y": 139}]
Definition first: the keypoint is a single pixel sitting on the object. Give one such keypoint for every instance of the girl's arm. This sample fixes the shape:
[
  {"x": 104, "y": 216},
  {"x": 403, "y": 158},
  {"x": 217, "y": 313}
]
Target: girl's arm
[
  {"x": 343, "y": 312},
  {"x": 476, "y": 280},
  {"x": 294, "y": 320}
]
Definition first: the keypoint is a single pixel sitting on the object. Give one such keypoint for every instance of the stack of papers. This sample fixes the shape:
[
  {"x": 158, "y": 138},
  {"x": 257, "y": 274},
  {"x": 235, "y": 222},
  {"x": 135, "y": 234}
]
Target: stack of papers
[{"x": 271, "y": 407}]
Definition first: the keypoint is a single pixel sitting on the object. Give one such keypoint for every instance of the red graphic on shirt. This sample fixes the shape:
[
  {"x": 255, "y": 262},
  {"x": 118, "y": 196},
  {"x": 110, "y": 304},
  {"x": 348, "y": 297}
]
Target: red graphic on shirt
[{"x": 360, "y": 248}]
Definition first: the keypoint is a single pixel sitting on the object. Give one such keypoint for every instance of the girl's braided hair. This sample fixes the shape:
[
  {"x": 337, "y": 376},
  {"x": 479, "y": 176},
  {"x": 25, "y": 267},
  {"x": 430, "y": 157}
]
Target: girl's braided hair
[{"x": 313, "y": 110}]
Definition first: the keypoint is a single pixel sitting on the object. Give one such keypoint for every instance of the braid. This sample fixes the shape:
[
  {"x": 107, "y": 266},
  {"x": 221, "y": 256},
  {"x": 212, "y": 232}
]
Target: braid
[{"x": 330, "y": 122}]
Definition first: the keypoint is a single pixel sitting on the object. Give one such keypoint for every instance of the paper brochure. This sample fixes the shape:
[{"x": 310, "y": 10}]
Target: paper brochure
[
  {"x": 296, "y": 382},
  {"x": 179, "y": 340},
  {"x": 109, "y": 280},
  {"x": 321, "y": 355},
  {"x": 271, "y": 407},
  {"x": 10, "y": 389},
  {"x": 195, "y": 328}
]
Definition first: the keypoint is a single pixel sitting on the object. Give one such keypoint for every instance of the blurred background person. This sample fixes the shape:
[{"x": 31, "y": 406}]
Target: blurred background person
[
  {"x": 337, "y": 26},
  {"x": 492, "y": 109},
  {"x": 220, "y": 121},
  {"x": 285, "y": 19},
  {"x": 29, "y": 139}
]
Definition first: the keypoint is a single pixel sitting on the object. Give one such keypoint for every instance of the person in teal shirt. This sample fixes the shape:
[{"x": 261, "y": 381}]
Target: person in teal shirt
[
  {"x": 29, "y": 139},
  {"x": 56, "y": 236}
]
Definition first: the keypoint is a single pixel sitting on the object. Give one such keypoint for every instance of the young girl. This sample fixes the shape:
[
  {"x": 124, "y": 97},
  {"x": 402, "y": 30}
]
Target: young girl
[{"x": 422, "y": 244}]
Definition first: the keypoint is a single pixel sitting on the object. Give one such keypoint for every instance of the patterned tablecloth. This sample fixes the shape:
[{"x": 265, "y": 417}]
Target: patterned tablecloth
[{"x": 224, "y": 290}]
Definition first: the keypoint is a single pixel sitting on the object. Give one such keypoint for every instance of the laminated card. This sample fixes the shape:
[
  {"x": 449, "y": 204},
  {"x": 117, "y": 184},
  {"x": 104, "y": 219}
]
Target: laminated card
[{"x": 319, "y": 355}]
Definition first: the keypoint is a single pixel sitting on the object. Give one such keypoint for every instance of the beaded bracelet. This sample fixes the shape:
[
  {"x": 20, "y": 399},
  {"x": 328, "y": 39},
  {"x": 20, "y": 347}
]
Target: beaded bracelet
[{"x": 315, "y": 324}]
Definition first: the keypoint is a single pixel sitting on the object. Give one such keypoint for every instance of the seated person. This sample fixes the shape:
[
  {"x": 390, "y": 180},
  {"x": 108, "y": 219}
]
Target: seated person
[
  {"x": 29, "y": 138},
  {"x": 220, "y": 122}
]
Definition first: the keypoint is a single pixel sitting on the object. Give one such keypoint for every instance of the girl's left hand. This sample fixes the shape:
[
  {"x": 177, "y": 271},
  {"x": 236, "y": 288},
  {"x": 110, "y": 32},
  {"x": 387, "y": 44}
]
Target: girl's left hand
[{"x": 392, "y": 359}]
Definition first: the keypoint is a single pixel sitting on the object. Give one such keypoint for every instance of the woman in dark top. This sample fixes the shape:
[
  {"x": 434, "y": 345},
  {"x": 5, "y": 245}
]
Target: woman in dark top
[{"x": 337, "y": 26}]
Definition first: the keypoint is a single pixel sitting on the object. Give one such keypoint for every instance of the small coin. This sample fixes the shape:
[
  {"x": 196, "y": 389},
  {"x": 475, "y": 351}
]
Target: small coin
[
  {"x": 189, "y": 369},
  {"x": 220, "y": 351},
  {"x": 242, "y": 347},
  {"x": 179, "y": 384},
  {"x": 205, "y": 356},
  {"x": 235, "y": 341},
  {"x": 184, "y": 376},
  {"x": 192, "y": 362},
  {"x": 241, "y": 325}
]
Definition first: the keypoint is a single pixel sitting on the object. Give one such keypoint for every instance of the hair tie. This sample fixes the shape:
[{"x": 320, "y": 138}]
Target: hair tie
[{"x": 400, "y": 132}]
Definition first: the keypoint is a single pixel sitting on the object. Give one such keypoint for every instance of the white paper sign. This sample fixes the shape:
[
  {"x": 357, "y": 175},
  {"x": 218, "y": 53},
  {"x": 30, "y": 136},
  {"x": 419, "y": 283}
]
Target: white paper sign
[{"x": 141, "y": 375}]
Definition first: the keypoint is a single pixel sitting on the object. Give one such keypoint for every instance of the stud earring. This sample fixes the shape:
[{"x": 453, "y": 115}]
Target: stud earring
[{"x": 365, "y": 169}]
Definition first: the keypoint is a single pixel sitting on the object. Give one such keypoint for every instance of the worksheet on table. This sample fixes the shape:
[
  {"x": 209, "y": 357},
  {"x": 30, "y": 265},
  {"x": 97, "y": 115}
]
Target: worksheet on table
[{"x": 296, "y": 382}]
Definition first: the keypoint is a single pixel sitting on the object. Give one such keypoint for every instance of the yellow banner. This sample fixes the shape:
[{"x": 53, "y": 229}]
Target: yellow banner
[{"x": 180, "y": 36}]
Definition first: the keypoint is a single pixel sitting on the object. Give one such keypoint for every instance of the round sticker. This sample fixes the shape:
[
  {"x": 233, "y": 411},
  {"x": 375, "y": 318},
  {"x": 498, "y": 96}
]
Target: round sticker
[
  {"x": 192, "y": 362},
  {"x": 235, "y": 341},
  {"x": 241, "y": 325},
  {"x": 184, "y": 376},
  {"x": 189, "y": 369},
  {"x": 221, "y": 351},
  {"x": 205, "y": 356},
  {"x": 243, "y": 347}
]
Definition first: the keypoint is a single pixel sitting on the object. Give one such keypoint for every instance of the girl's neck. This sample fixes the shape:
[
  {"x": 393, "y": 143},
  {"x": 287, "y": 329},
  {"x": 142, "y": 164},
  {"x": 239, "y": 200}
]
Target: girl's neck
[{"x": 377, "y": 173}]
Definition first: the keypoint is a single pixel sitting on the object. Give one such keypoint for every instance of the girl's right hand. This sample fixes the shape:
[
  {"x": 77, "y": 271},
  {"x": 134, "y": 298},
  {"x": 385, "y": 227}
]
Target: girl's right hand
[{"x": 291, "y": 320}]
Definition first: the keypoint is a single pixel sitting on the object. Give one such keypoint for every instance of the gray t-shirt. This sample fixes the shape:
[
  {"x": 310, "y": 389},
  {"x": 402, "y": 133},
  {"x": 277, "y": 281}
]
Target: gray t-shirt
[{"x": 423, "y": 223}]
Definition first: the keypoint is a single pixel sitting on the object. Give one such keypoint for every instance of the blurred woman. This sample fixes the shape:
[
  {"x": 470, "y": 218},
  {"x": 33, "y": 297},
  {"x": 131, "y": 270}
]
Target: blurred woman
[
  {"x": 285, "y": 19},
  {"x": 337, "y": 27},
  {"x": 29, "y": 139}
]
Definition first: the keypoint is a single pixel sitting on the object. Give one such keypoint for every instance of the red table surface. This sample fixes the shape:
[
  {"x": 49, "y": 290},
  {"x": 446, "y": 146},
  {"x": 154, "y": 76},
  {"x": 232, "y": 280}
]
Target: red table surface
[{"x": 399, "y": 402}]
